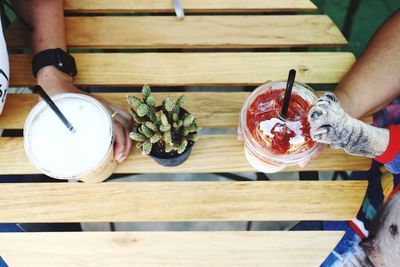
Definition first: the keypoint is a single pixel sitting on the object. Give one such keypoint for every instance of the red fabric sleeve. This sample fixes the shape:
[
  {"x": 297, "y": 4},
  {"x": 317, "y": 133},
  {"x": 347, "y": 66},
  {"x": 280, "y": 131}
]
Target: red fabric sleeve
[{"x": 393, "y": 147}]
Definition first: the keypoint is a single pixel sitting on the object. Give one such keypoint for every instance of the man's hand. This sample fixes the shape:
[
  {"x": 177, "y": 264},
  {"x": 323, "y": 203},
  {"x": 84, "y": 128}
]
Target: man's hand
[
  {"x": 331, "y": 125},
  {"x": 122, "y": 123},
  {"x": 55, "y": 82}
]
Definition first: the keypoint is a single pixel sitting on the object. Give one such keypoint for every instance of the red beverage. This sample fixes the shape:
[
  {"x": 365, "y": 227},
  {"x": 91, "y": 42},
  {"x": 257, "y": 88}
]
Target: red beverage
[
  {"x": 290, "y": 136},
  {"x": 271, "y": 143}
]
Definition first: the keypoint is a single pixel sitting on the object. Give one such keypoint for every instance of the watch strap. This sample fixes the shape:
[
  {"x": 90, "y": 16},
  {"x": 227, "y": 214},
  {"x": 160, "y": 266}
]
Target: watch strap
[{"x": 54, "y": 57}]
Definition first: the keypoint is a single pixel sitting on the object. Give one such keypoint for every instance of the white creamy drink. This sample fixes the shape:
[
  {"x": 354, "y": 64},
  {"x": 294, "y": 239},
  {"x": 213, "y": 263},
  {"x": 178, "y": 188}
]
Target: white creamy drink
[{"x": 86, "y": 154}]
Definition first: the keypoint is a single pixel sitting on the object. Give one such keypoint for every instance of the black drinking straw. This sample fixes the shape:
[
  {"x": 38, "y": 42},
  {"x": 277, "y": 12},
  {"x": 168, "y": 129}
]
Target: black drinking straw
[
  {"x": 46, "y": 97},
  {"x": 288, "y": 94}
]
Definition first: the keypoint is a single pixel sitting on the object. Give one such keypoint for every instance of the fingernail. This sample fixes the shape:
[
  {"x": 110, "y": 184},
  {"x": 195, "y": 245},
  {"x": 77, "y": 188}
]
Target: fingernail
[{"x": 120, "y": 157}]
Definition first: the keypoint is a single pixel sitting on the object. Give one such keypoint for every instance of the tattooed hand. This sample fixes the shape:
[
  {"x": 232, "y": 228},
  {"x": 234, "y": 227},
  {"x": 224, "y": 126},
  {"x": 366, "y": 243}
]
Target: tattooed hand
[{"x": 331, "y": 125}]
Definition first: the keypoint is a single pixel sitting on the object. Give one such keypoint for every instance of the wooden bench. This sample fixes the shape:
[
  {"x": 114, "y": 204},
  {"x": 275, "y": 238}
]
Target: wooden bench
[{"x": 160, "y": 201}]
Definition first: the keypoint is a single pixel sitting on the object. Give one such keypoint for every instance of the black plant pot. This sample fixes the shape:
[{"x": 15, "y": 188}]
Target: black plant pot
[{"x": 172, "y": 158}]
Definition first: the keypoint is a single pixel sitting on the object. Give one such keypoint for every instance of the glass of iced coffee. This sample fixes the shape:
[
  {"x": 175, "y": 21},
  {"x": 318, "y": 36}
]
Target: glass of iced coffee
[
  {"x": 85, "y": 155},
  {"x": 271, "y": 142}
]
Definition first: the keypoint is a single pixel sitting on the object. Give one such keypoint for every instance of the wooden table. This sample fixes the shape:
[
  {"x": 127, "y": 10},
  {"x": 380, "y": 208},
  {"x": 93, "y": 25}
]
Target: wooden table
[{"x": 213, "y": 46}]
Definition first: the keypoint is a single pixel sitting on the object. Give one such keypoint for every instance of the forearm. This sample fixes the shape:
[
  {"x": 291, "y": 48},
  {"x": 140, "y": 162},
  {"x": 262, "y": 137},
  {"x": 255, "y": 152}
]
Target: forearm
[
  {"x": 47, "y": 20},
  {"x": 375, "y": 78}
]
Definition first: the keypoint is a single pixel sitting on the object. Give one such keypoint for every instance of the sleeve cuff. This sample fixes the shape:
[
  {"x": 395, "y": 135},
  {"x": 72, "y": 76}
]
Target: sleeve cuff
[{"x": 394, "y": 145}]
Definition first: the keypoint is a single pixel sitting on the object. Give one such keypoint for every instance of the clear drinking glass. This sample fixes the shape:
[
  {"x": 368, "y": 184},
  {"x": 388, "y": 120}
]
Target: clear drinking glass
[
  {"x": 86, "y": 155},
  {"x": 270, "y": 143}
]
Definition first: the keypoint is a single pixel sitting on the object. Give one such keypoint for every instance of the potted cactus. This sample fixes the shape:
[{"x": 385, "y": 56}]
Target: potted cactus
[{"x": 166, "y": 133}]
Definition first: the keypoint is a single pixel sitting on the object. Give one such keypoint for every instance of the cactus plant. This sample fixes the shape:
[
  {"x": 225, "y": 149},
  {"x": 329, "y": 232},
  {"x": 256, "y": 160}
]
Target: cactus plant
[{"x": 168, "y": 125}]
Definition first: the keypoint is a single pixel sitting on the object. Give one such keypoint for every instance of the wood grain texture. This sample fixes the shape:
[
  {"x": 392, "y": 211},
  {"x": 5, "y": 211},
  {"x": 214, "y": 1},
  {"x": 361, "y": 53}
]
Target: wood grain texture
[
  {"x": 190, "y": 6},
  {"x": 181, "y": 201},
  {"x": 222, "y": 110},
  {"x": 167, "y": 69},
  {"x": 193, "y": 32},
  {"x": 212, "y": 153},
  {"x": 168, "y": 248},
  {"x": 16, "y": 110}
]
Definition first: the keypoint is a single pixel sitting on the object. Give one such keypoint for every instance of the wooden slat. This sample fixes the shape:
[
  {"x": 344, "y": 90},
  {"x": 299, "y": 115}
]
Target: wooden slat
[
  {"x": 168, "y": 69},
  {"x": 16, "y": 110},
  {"x": 193, "y": 32},
  {"x": 190, "y": 6},
  {"x": 223, "y": 153},
  {"x": 168, "y": 248},
  {"x": 181, "y": 201},
  {"x": 212, "y": 153},
  {"x": 222, "y": 110}
]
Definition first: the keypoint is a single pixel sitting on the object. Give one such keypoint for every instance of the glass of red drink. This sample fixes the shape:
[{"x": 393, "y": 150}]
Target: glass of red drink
[{"x": 271, "y": 142}]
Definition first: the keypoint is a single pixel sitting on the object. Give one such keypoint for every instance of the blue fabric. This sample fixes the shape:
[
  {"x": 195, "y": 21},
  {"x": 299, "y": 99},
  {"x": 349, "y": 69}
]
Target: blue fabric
[
  {"x": 394, "y": 165},
  {"x": 308, "y": 226},
  {"x": 380, "y": 185},
  {"x": 3, "y": 263},
  {"x": 8, "y": 227},
  {"x": 345, "y": 246},
  {"x": 374, "y": 196},
  {"x": 389, "y": 115}
]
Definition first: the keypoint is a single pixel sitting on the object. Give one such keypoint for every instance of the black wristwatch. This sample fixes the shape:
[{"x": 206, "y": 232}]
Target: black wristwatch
[{"x": 54, "y": 57}]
